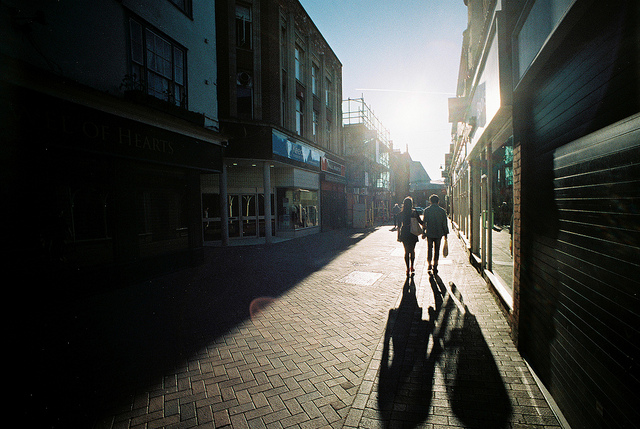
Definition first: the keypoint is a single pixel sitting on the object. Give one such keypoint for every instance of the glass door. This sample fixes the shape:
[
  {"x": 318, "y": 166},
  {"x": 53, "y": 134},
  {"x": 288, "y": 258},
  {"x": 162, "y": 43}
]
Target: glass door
[
  {"x": 249, "y": 215},
  {"x": 261, "y": 215},
  {"x": 234, "y": 215}
]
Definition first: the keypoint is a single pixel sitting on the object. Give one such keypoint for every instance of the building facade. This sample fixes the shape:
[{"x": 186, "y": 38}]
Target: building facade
[
  {"x": 479, "y": 166},
  {"x": 368, "y": 150},
  {"x": 547, "y": 120},
  {"x": 109, "y": 117},
  {"x": 280, "y": 89}
]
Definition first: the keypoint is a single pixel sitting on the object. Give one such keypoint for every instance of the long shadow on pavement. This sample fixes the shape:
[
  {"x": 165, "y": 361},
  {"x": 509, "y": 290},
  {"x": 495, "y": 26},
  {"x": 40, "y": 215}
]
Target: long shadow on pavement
[
  {"x": 451, "y": 340},
  {"x": 87, "y": 355}
]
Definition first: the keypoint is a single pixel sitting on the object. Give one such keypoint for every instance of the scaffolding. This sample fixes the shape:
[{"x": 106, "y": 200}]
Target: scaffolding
[
  {"x": 370, "y": 148},
  {"x": 356, "y": 111}
]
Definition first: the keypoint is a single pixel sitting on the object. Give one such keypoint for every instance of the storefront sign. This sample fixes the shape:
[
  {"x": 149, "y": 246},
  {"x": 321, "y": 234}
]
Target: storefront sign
[
  {"x": 297, "y": 151},
  {"x": 54, "y": 122},
  {"x": 333, "y": 167}
]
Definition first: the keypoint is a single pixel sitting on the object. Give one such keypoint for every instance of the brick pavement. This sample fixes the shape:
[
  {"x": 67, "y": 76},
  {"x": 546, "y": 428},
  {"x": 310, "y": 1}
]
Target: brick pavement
[{"x": 322, "y": 331}]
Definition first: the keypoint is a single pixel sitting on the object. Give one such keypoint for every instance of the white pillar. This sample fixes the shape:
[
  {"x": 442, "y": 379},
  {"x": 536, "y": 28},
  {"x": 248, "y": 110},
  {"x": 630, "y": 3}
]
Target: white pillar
[
  {"x": 267, "y": 201},
  {"x": 224, "y": 206}
]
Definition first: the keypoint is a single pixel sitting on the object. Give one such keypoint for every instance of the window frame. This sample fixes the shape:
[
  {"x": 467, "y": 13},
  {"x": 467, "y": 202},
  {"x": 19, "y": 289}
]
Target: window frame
[
  {"x": 299, "y": 116},
  {"x": 143, "y": 72},
  {"x": 244, "y": 27},
  {"x": 244, "y": 95},
  {"x": 315, "y": 74},
  {"x": 299, "y": 58},
  {"x": 185, "y": 7}
]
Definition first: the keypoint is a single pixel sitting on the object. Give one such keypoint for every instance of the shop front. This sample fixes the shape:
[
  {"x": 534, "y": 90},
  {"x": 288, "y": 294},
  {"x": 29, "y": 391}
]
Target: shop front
[
  {"x": 95, "y": 193},
  {"x": 271, "y": 164},
  {"x": 333, "y": 194}
]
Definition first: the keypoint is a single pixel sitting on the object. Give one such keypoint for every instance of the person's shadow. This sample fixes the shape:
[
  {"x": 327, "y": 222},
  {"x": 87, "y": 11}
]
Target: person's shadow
[
  {"x": 405, "y": 376},
  {"x": 451, "y": 340},
  {"x": 476, "y": 390}
]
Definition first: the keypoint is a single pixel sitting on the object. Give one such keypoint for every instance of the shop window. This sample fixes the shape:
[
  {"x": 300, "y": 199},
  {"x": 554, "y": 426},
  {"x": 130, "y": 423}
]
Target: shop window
[
  {"x": 81, "y": 231},
  {"x": 89, "y": 208},
  {"x": 297, "y": 208},
  {"x": 162, "y": 218},
  {"x": 502, "y": 214}
]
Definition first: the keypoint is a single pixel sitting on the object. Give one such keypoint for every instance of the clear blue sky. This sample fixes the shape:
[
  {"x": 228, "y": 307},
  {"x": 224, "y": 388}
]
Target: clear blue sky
[{"x": 403, "y": 58}]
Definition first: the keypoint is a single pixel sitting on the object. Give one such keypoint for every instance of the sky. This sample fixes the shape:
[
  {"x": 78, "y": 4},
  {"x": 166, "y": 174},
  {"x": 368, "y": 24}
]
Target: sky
[{"x": 403, "y": 59}]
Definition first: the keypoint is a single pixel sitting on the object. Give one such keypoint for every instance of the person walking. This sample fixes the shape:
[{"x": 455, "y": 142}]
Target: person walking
[
  {"x": 408, "y": 237},
  {"x": 396, "y": 211},
  {"x": 436, "y": 227}
]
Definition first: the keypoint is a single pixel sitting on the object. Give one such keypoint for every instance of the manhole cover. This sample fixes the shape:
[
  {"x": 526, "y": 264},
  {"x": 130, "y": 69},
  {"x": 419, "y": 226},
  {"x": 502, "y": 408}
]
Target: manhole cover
[{"x": 361, "y": 278}]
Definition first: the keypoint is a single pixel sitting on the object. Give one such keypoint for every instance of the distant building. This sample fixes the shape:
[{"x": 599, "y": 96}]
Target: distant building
[
  {"x": 422, "y": 187},
  {"x": 400, "y": 175}
]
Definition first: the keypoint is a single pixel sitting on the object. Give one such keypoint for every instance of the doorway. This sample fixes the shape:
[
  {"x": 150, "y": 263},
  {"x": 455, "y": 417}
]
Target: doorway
[{"x": 247, "y": 215}]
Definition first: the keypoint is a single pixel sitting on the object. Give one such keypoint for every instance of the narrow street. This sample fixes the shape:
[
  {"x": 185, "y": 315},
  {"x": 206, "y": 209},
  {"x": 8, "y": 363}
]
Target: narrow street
[{"x": 321, "y": 331}]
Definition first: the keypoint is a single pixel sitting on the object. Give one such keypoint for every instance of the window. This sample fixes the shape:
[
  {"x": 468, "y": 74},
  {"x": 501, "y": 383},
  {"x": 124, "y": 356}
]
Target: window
[
  {"x": 314, "y": 79},
  {"x": 297, "y": 208},
  {"x": 299, "y": 116},
  {"x": 283, "y": 63},
  {"x": 283, "y": 47},
  {"x": 244, "y": 95},
  {"x": 243, "y": 27},
  {"x": 183, "y": 5},
  {"x": 158, "y": 64},
  {"x": 316, "y": 120},
  {"x": 299, "y": 63},
  {"x": 283, "y": 100},
  {"x": 327, "y": 92}
]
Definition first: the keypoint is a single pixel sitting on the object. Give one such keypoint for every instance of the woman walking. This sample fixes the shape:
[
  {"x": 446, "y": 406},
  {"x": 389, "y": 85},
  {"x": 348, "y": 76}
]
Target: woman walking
[{"x": 405, "y": 235}]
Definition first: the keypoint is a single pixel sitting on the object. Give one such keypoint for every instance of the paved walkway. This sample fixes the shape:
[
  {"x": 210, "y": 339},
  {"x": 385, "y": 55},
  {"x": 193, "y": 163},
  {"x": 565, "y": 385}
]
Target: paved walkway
[{"x": 322, "y": 331}]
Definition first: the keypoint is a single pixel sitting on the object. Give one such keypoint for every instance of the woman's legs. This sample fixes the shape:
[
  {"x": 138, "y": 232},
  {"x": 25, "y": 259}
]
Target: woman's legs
[
  {"x": 409, "y": 256},
  {"x": 413, "y": 257}
]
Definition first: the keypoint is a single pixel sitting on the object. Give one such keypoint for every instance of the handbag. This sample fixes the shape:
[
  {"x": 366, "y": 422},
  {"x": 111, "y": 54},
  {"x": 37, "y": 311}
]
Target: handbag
[
  {"x": 415, "y": 227},
  {"x": 445, "y": 248}
]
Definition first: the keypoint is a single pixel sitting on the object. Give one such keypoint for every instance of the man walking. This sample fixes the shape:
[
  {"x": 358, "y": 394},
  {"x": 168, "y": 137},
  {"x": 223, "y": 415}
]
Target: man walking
[
  {"x": 436, "y": 227},
  {"x": 396, "y": 211}
]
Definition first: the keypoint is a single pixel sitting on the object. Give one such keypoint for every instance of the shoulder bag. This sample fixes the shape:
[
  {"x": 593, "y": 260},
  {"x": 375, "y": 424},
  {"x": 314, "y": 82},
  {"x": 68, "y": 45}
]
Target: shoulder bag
[{"x": 415, "y": 226}]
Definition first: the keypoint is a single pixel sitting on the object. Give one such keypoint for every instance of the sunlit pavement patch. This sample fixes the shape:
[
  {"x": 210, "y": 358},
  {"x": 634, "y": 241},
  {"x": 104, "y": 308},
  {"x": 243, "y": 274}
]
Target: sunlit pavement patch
[{"x": 361, "y": 278}]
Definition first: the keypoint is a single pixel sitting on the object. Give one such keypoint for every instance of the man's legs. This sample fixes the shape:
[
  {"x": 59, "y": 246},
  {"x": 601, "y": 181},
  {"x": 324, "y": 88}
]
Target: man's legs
[
  {"x": 430, "y": 252},
  {"x": 436, "y": 250},
  {"x": 433, "y": 252}
]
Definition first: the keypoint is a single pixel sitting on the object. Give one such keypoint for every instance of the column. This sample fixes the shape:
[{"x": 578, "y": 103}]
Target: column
[
  {"x": 266, "y": 173},
  {"x": 224, "y": 206}
]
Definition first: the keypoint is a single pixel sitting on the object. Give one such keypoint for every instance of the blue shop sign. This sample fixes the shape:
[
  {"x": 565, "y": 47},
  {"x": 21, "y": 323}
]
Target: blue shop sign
[{"x": 291, "y": 149}]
